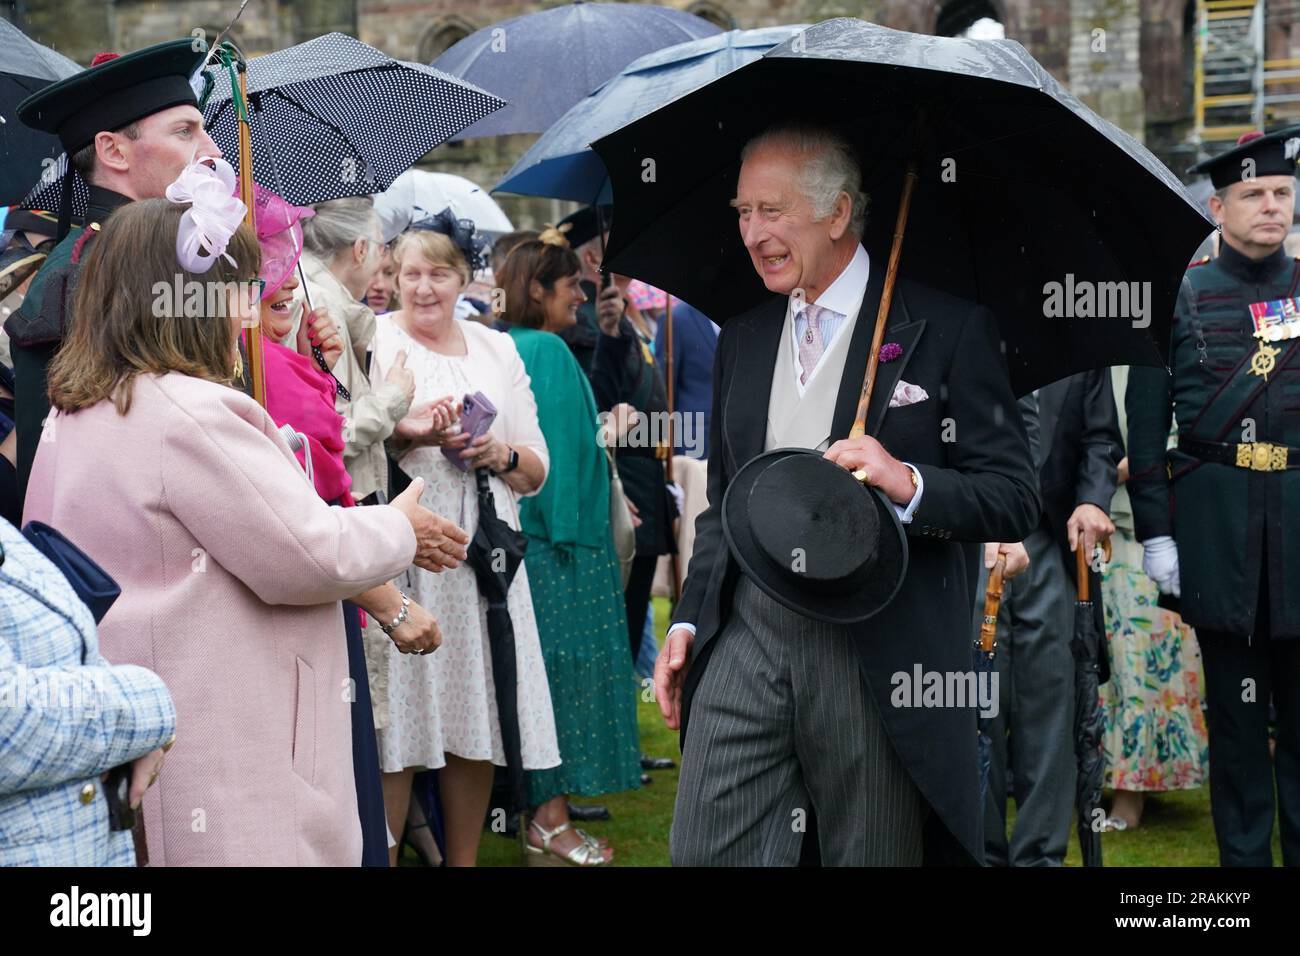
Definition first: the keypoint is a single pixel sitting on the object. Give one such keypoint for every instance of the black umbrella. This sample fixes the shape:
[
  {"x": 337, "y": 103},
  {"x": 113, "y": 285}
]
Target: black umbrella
[
  {"x": 1089, "y": 719},
  {"x": 983, "y": 659},
  {"x": 495, "y": 553},
  {"x": 1020, "y": 185},
  {"x": 332, "y": 117},
  {"x": 25, "y": 154}
]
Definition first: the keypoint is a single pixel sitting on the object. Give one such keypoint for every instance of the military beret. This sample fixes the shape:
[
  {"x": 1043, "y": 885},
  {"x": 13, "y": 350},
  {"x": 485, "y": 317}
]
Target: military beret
[
  {"x": 1256, "y": 154},
  {"x": 115, "y": 91}
]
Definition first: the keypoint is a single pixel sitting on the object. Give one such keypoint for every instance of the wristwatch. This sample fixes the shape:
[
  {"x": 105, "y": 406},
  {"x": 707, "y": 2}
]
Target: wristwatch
[{"x": 514, "y": 462}]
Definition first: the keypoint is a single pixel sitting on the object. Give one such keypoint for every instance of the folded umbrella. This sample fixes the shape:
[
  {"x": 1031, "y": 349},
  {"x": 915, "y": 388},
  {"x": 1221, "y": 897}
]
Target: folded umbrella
[
  {"x": 544, "y": 62},
  {"x": 495, "y": 553},
  {"x": 1021, "y": 190},
  {"x": 1089, "y": 720},
  {"x": 984, "y": 659}
]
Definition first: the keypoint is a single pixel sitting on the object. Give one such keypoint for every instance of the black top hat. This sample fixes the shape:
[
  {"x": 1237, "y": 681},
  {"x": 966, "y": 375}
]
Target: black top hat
[
  {"x": 115, "y": 91},
  {"x": 813, "y": 537},
  {"x": 1256, "y": 154}
]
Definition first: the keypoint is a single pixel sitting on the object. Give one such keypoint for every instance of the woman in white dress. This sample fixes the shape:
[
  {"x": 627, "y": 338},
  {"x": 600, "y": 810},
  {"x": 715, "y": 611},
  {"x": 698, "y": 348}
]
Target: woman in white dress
[{"x": 442, "y": 707}]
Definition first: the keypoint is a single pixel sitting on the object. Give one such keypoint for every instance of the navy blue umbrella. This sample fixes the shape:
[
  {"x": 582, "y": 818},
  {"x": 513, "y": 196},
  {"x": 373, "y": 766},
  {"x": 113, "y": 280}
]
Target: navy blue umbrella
[
  {"x": 25, "y": 67},
  {"x": 562, "y": 165},
  {"x": 542, "y": 63}
]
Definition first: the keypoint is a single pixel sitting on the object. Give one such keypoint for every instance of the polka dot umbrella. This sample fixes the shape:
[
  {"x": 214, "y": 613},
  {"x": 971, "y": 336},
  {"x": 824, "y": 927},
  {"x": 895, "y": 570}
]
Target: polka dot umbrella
[
  {"x": 334, "y": 117},
  {"x": 330, "y": 118}
]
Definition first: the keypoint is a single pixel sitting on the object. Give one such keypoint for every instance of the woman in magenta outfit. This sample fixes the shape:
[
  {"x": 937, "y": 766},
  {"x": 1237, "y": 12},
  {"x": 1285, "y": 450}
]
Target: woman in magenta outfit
[{"x": 300, "y": 393}]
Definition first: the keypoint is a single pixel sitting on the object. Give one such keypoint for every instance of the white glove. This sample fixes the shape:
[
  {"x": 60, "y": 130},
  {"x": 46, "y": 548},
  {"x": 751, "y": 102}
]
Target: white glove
[
  {"x": 1160, "y": 562},
  {"x": 679, "y": 496}
]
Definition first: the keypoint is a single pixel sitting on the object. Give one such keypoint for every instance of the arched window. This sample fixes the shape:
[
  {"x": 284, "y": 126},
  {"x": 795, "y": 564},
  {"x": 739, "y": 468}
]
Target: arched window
[
  {"x": 446, "y": 32},
  {"x": 978, "y": 19}
]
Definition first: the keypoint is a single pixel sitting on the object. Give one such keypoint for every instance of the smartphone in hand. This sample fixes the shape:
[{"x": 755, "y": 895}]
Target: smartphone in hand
[{"x": 476, "y": 417}]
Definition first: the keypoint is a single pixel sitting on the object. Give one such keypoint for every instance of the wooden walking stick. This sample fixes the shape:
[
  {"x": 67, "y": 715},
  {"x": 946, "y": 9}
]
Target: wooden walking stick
[
  {"x": 992, "y": 604},
  {"x": 886, "y": 297}
]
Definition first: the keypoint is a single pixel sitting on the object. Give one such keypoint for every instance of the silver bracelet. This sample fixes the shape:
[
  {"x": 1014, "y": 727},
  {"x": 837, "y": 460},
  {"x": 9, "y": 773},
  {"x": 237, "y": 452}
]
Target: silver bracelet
[{"x": 400, "y": 619}]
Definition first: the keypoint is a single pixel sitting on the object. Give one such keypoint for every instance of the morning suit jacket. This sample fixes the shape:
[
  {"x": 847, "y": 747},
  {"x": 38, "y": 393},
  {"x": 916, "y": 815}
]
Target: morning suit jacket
[
  {"x": 1080, "y": 447},
  {"x": 979, "y": 487}
]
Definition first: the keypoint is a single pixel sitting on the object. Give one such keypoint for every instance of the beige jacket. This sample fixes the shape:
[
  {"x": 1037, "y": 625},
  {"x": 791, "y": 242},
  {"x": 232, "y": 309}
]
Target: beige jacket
[{"x": 369, "y": 418}]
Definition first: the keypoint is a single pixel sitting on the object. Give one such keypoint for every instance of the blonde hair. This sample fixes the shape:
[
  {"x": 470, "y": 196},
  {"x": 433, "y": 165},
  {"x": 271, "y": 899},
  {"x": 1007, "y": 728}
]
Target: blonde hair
[{"x": 434, "y": 246}]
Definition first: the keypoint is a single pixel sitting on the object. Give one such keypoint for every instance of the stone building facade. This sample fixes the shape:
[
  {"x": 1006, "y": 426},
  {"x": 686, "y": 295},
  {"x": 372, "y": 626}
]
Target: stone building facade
[{"x": 1131, "y": 60}]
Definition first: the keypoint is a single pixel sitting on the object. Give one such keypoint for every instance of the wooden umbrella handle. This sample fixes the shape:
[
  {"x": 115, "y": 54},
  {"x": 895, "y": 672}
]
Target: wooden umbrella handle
[
  {"x": 1081, "y": 568},
  {"x": 886, "y": 297},
  {"x": 992, "y": 603}
]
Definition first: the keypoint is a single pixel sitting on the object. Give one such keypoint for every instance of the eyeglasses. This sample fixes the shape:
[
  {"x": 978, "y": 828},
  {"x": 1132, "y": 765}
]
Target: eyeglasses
[{"x": 254, "y": 290}]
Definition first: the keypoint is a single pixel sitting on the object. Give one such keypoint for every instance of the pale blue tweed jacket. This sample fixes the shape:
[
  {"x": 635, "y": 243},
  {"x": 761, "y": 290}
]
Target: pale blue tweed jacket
[{"x": 66, "y": 716}]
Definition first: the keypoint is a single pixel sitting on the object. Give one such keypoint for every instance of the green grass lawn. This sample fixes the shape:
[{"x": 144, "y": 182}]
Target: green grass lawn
[{"x": 1176, "y": 828}]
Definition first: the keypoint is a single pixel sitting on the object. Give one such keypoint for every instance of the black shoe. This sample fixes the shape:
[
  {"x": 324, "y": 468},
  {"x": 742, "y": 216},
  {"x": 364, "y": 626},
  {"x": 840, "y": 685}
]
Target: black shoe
[
  {"x": 657, "y": 763},
  {"x": 646, "y": 779},
  {"x": 585, "y": 813}
]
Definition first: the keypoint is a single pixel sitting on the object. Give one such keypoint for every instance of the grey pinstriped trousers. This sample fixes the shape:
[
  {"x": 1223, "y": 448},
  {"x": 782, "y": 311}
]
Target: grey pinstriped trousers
[{"x": 781, "y": 723}]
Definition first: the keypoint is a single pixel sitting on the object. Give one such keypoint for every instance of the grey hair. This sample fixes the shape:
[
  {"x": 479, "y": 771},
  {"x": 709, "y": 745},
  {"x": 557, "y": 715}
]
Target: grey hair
[
  {"x": 338, "y": 224},
  {"x": 829, "y": 168}
]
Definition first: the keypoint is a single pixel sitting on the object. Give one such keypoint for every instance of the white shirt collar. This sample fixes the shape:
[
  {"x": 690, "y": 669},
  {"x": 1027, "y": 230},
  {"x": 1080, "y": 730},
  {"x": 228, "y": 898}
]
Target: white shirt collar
[{"x": 844, "y": 295}]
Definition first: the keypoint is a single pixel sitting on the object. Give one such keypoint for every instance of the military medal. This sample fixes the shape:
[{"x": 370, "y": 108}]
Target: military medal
[{"x": 1274, "y": 321}]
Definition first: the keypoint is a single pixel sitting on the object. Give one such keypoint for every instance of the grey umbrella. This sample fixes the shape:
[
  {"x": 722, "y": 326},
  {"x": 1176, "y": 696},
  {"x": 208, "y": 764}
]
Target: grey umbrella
[{"x": 544, "y": 62}]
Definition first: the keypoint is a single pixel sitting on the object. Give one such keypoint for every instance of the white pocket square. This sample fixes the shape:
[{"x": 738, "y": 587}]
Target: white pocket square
[{"x": 905, "y": 393}]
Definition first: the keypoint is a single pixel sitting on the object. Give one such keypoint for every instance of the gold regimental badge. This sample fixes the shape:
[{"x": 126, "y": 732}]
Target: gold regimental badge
[{"x": 1264, "y": 360}]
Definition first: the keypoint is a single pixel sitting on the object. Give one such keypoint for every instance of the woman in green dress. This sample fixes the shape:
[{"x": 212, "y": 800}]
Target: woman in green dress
[{"x": 572, "y": 567}]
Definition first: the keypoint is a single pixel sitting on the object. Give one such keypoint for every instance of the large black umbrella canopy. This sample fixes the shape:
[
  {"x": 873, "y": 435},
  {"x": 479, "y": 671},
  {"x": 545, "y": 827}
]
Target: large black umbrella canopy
[
  {"x": 25, "y": 68},
  {"x": 1020, "y": 185},
  {"x": 335, "y": 117}
]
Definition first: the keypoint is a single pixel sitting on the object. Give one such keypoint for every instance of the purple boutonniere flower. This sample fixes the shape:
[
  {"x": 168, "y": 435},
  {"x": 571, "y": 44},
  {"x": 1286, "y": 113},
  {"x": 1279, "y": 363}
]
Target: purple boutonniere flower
[{"x": 890, "y": 351}]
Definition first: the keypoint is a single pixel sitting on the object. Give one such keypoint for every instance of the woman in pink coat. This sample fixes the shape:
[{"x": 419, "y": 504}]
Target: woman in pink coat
[{"x": 231, "y": 567}]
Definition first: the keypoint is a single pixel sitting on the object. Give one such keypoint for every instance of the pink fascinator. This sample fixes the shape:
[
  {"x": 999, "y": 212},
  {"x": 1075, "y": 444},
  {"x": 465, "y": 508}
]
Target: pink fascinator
[
  {"x": 213, "y": 216},
  {"x": 279, "y": 231}
]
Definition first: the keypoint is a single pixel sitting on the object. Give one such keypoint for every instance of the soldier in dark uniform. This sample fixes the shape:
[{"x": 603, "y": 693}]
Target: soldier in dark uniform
[
  {"x": 129, "y": 124},
  {"x": 1219, "y": 515}
]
